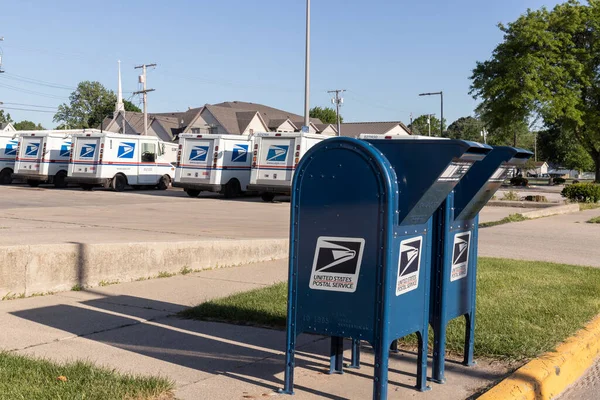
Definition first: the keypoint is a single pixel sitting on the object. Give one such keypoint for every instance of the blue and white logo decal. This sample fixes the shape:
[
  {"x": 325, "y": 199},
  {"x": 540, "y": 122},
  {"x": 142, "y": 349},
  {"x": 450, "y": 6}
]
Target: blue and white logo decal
[
  {"x": 11, "y": 148},
  {"x": 126, "y": 150},
  {"x": 277, "y": 153},
  {"x": 240, "y": 153},
  {"x": 65, "y": 150},
  {"x": 198, "y": 153},
  {"x": 32, "y": 149},
  {"x": 87, "y": 150}
]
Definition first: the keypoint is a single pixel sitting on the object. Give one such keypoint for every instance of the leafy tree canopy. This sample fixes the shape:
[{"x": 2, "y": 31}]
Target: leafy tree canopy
[
  {"x": 28, "y": 126},
  {"x": 325, "y": 114},
  {"x": 546, "y": 69},
  {"x": 466, "y": 128},
  {"x": 4, "y": 118},
  {"x": 420, "y": 126},
  {"x": 88, "y": 105}
]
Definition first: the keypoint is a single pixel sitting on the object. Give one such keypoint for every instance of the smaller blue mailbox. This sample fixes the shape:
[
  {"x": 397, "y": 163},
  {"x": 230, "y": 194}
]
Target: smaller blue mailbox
[
  {"x": 360, "y": 243},
  {"x": 455, "y": 250}
]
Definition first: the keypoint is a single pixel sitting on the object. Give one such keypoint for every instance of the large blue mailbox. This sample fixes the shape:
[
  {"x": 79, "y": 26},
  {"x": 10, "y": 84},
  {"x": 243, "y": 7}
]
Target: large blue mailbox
[
  {"x": 360, "y": 245},
  {"x": 455, "y": 234}
]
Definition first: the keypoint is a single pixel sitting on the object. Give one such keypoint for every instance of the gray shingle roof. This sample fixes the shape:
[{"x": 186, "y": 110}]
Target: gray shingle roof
[
  {"x": 267, "y": 113},
  {"x": 353, "y": 129}
]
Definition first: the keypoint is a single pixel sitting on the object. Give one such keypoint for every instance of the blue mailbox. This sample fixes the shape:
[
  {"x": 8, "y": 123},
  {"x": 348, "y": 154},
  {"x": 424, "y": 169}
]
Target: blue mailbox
[
  {"x": 360, "y": 245},
  {"x": 455, "y": 234}
]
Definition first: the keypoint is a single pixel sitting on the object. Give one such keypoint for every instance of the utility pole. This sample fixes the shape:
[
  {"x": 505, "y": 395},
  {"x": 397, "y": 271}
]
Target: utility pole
[
  {"x": 429, "y": 122},
  {"x": 441, "y": 94},
  {"x": 338, "y": 101},
  {"x": 307, "y": 68},
  {"x": 411, "y": 122},
  {"x": 144, "y": 91},
  {"x": 1, "y": 70}
]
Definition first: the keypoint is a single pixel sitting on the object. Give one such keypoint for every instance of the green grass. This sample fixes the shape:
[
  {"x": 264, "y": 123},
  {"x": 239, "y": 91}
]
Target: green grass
[
  {"x": 505, "y": 220},
  {"x": 33, "y": 379},
  {"x": 523, "y": 308},
  {"x": 595, "y": 220},
  {"x": 588, "y": 206}
]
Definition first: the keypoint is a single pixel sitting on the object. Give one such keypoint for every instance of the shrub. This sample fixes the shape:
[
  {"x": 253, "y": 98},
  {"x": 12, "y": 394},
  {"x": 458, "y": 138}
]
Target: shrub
[
  {"x": 511, "y": 196},
  {"x": 558, "y": 180},
  {"x": 519, "y": 181},
  {"x": 575, "y": 181},
  {"x": 582, "y": 192},
  {"x": 537, "y": 198}
]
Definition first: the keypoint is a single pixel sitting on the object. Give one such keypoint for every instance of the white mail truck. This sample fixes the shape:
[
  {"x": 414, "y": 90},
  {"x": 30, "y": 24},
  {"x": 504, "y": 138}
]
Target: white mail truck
[
  {"x": 214, "y": 163},
  {"x": 113, "y": 160},
  {"x": 274, "y": 159},
  {"x": 9, "y": 141},
  {"x": 43, "y": 156}
]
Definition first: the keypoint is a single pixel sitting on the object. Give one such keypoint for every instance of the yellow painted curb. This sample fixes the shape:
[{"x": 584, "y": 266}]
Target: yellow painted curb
[{"x": 547, "y": 376}]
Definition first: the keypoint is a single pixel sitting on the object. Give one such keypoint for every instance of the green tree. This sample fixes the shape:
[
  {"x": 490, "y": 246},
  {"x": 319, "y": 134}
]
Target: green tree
[
  {"x": 546, "y": 69},
  {"x": 560, "y": 147},
  {"x": 420, "y": 126},
  {"x": 466, "y": 128},
  {"x": 325, "y": 114},
  {"x": 4, "y": 118},
  {"x": 88, "y": 105},
  {"x": 28, "y": 126}
]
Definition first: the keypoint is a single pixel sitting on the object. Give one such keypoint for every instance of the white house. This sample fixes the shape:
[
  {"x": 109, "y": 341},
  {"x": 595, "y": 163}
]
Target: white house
[
  {"x": 7, "y": 127},
  {"x": 540, "y": 168},
  {"x": 354, "y": 129}
]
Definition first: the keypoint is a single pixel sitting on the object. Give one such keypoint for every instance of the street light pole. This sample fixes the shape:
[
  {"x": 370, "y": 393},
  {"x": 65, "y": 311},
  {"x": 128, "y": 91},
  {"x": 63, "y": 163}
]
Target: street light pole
[
  {"x": 307, "y": 68},
  {"x": 441, "y": 94}
]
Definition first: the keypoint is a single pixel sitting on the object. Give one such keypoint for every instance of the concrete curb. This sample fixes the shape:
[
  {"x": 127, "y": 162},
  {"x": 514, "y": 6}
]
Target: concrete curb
[
  {"x": 27, "y": 270},
  {"x": 549, "y": 375},
  {"x": 556, "y": 210}
]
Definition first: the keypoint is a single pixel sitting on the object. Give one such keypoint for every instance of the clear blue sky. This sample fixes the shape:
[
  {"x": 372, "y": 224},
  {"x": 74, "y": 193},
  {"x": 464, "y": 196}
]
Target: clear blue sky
[{"x": 384, "y": 52}]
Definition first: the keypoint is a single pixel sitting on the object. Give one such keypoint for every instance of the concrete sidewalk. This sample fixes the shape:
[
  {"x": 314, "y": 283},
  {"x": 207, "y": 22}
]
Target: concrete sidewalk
[{"x": 131, "y": 327}]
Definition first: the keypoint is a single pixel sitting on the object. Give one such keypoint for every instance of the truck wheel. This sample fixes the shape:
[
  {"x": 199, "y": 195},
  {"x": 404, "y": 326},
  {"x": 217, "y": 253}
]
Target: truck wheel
[
  {"x": 232, "y": 189},
  {"x": 192, "y": 192},
  {"x": 33, "y": 183},
  {"x": 119, "y": 183},
  {"x": 6, "y": 176},
  {"x": 60, "y": 180},
  {"x": 164, "y": 183},
  {"x": 87, "y": 187},
  {"x": 267, "y": 197}
]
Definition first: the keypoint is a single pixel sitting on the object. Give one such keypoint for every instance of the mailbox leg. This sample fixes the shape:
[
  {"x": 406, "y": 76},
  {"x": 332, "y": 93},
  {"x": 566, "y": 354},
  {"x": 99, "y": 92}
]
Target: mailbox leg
[
  {"x": 355, "y": 363},
  {"x": 439, "y": 352},
  {"x": 422, "y": 361},
  {"x": 469, "y": 339},
  {"x": 336, "y": 363},
  {"x": 380, "y": 383},
  {"x": 394, "y": 346},
  {"x": 288, "y": 385}
]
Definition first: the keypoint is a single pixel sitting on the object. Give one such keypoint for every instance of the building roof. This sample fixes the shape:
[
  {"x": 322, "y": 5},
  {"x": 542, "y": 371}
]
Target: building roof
[
  {"x": 233, "y": 121},
  {"x": 322, "y": 127},
  {"x": 169, "y": 124},
  {"x": 268, "y": 113},
  {"x": 540, "y": 163},
  {"x": 3, "y": 125},
  {"x": 353, "y": 129}
]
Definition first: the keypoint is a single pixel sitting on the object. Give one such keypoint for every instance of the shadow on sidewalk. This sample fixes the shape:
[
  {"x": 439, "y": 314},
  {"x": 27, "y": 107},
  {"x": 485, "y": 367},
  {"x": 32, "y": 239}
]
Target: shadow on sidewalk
[{"x": 248, "y": 354}]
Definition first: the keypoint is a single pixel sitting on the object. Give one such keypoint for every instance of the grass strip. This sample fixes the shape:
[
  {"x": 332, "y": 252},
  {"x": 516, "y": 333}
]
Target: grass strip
[
  {"x": 35, "y": 379},
  {"x": 595, "y": 220},
  {"x": 524, "y": 308},
  {"x": 505, "y": 220}
]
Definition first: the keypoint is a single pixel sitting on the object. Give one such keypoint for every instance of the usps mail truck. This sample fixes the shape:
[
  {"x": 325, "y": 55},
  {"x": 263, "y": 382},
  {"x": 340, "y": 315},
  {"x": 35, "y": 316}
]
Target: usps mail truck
[
  {"x": 9, "y": 141},
  {"x": 43, "y": 157},
  {"x": 214, "y": 163},
  {"x": 113, "y": 160},
  {"x": 274, "y": 159}
]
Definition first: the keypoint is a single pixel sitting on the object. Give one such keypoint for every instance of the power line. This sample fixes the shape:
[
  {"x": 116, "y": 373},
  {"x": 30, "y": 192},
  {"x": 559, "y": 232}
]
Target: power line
[
  {"x": 18, "y": 89},
  {"x": 28, "y": 105},
  {"x": 144, "y": 92},
  {"x": 26, "y": 109},
  {"x": 34, "y": 81}
]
